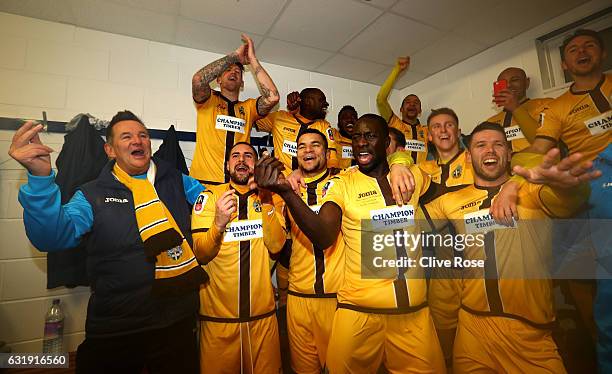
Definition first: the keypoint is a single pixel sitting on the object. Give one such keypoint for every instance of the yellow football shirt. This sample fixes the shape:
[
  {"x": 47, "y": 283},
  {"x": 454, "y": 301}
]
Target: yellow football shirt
[
  {"x": 368, "y": 209},
  {"x": 240, "y": 287},
  {"x": 314, "y": 271},
  {"x": 582, "y": 120},
  {"x": 221, "y": 123},
  {"x": 416, "y": 137},
  {"x": 285, "y": 128},
  {"x": 510, "y": 122},
  {"x": 512, "y": 278}
]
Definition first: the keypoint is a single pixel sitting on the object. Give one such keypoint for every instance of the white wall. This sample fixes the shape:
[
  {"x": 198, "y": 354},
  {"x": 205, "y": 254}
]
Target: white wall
[
  {"x": 467, "y": 87},
  {"x": 66, "y": 70}
]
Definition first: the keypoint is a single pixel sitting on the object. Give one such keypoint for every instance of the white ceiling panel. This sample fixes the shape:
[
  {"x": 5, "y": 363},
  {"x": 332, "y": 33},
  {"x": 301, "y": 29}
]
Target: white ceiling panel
[
  {"x": 254, "y": 16},
  {"x": 355, "y": 39},
  {"x": 492, "y": 29},
  {"x": 382, "y": 4},
  {"x": 209, "y": 37},
  {"x": 161, "y": 6},
  {"x": 322, "y": 23},
  {"x": 352, "y": 68},
  {"x": 442, "y": 14},
  {"x": 48, "y": 10},
  {"x": 124, "y": 20},
  {"x": 406, "y": 79},
  {"x": 283, "y": 53},
  {"x": 446, "y": 51},
  {"x": 389, "y": 37}
]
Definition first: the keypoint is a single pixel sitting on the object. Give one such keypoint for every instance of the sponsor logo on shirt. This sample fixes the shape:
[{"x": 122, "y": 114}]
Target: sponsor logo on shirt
[
  {"x": 362, "y": 195},
  {"x": 115, "y": 200},
  {"x": 600, "y": 124},
  {"x": 413, "y": 145},
  {"x": 243, "y": 230},
  {"x": 290, "y": 148},
  {"x": 514, "y": 133},
  {"x": 481, "y": 222},
  {"x": 347, "y": 151},
  {"x": 391, "y": 218},
  {"x": 579, "y": 109},
  {"x": 229, "y": 123}
]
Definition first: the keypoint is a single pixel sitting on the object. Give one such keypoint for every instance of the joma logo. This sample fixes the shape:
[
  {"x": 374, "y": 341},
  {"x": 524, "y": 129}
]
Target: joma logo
[{"x": 115, "y": 200}]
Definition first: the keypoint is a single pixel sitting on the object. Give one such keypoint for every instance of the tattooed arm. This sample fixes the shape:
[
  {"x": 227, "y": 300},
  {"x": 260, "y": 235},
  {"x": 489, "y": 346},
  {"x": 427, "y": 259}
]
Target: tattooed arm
[
  {"x": 269, "y": 93},
  {"x": 200, "y": 83}
]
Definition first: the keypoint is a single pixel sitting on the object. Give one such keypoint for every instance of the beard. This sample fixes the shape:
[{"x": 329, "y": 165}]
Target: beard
[{"x": 240, "y": 179}]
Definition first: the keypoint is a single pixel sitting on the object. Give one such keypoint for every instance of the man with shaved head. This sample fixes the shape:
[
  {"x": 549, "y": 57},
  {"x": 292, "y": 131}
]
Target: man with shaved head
[
  {"x": 286, "y": 126},
  {"x": 519, "y": 115}
]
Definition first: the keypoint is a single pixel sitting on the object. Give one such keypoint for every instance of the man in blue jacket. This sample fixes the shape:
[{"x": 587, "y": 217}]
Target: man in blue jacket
[
  {"x": 600, "y": 216},
  {"x": 135, "y": 221}
]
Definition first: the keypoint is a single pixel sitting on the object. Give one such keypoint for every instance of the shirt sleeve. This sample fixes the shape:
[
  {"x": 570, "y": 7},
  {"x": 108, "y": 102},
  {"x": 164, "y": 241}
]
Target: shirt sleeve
[
  {"x": 434, "y": 215},
  {"x": 332, "y": 158},
  {"x": 206, "y": 237},
  {"x": 333, "y": 191},
  {"x": 266, "y": 124},
  {"x": 193, "y": 188},
  {"x": 273, "y": 221},
  {"x": 382, "y": 102},
  {"x": 550, "y": 126},
  {"x": 49, "y": 225}
]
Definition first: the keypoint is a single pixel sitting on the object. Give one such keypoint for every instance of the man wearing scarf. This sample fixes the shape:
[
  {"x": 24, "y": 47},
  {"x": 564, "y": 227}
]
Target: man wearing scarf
[{"x": 134, "y": 219}]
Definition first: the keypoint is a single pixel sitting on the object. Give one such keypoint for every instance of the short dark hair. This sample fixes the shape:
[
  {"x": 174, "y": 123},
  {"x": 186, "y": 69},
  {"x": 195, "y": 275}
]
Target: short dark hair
[
  {"x": 245, "y": 143},
  {"x": 313, "y": 131},
  {"x": 447, "y": 111},
  {"x": 581, "y": 32},
  {"x": 399, "y": 136},
  {"x": 309, "y": 91},
  {"x": 407, "y": 96},
  {"x": 347, "y": 108},
  {"x": 486, "y": 126},
  {"x": 124, "y": 115},
  {"x": 375, "y": 118}
]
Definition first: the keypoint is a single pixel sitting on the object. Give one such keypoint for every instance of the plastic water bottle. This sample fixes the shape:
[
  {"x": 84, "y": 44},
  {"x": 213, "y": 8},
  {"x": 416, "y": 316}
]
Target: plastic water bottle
[{"x": 54, "y": 329}]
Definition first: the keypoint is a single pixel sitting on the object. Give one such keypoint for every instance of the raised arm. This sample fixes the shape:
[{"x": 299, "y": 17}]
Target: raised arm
[
  {"x": 382, "y": 102},
  {"x": 269, "y": 93},
  {"x": 200, "y": 83},
  {"x": 49, "y": 225}
]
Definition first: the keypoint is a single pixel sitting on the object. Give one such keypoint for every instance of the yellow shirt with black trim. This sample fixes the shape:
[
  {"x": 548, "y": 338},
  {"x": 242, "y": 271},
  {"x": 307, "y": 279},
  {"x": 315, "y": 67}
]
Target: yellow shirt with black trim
[
  {"x": 240, "y": 287},
  {"x": 416, "y": 137},
  {"x": 368, "y": 209},
  {"x": 344, "y": 150},
  {"x": 511, "y": 121},
  {"x": 582, "y": 120},
  {"x": 314, "y": 271},
  {"x": 514, "y": 281},
  {"x": 221, "y": 123},
  {"x": 285, "y": 128},
  {"x": 454, "y": 172}
]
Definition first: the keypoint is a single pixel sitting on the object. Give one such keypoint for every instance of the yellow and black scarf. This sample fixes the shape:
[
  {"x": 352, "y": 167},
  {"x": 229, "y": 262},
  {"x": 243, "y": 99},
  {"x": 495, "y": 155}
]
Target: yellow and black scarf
[{"x": 176, "y": 268}]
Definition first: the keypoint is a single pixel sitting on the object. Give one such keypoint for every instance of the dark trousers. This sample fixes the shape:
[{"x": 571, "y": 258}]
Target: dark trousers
[{"x": 173, "y": 349}]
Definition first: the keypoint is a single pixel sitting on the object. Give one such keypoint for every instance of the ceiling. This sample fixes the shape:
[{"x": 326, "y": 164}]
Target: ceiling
[{"x": 355, "y": 39}]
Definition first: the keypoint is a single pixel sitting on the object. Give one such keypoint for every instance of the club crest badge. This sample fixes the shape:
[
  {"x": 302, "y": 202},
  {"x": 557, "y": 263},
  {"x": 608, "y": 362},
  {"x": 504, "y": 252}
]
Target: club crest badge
[
  {"x": 175, "y": 253},
  {"x": 457, "y": 172}
]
